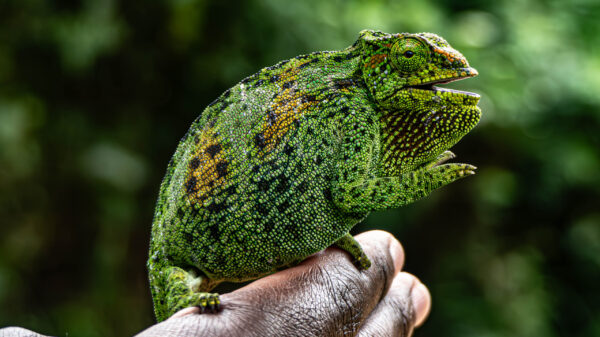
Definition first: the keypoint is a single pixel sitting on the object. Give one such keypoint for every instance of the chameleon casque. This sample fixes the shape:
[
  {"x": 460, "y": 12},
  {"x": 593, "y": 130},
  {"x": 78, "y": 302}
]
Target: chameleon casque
[{"x": 286, "y": 162}]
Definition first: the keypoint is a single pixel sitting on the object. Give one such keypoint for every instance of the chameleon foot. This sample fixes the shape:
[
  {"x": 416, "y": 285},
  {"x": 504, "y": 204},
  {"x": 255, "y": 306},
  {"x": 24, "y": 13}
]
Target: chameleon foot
[
  {"x": 447, "y": 173},
  {"x": 209, "y": 302}
]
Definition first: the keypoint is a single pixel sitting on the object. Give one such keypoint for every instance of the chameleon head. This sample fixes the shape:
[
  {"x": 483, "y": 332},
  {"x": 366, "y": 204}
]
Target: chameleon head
[{"x": 419, "y": 119}]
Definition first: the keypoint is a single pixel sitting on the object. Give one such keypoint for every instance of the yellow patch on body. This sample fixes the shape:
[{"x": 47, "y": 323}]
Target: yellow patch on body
[
  {"x": 207, "y": 167},
  {"x": 287, "y": 107}
]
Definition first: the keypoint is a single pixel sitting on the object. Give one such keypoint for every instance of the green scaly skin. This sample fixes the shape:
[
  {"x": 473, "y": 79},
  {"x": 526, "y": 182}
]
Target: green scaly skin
[{"x": 286, "y": 162}]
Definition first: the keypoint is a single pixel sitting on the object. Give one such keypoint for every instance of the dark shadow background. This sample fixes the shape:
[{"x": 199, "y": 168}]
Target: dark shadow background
[{"x": 94, "y": 96}]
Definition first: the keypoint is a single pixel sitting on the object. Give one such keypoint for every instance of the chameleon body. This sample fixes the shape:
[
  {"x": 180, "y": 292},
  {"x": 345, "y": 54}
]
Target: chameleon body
[{"x": 286, "y": 162}]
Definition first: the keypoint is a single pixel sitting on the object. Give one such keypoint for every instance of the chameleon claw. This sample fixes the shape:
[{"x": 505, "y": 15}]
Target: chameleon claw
[{"x": 442, "y": 158}]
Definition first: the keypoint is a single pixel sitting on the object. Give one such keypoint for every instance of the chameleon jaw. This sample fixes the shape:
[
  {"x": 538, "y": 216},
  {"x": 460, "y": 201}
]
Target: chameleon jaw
[{"x": 429, "y": 86}]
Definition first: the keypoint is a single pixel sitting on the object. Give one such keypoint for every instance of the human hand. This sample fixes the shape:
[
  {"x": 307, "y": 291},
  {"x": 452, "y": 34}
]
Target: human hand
[{"x": 325, "y": 295}]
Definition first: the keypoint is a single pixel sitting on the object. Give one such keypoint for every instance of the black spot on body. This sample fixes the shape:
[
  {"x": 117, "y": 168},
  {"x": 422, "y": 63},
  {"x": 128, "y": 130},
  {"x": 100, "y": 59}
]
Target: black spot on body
[
  {"x": 259, "y": 82},
  {"x": 222, "y": 168},
  {"x": 287, "y": 149},
  {"x": 274, "y": 78},
  {"x": 268, "y": 225},
  {"x": 288, "y": 84},
  {"x": 227, "y": 93},
  {"x": 216, "y": 207},
  {"x": 214, "y": 231},
  {"x": 262, "y": 209},
  {"x": 283, "y": 183},
  {"x": 196, "y": 140},
  {"x": 263, "y": 185},
  {"x": 190, "y": 185},
  {"x": 230, "y": 190},
  {"x": 308, "y": 98},
  {"x": 194, "y": 163},
  {"x": 338, "y": 58},
  {"x": 319, "y": 160},
  {"x": 213, "y": 150},
  {"x": 327, "y": 194},
  {"x": 259, "y": 140},
  {"x": 302, "y": 187},
  {"x": 283, "y": 206},
  {"x": 188, "y": 237},
  {"x": 271, "y": 116}
]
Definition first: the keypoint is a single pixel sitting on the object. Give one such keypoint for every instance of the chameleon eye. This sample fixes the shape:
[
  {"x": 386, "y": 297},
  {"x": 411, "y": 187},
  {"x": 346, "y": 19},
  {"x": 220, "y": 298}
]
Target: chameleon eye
[{"x": 409, "y": 55}]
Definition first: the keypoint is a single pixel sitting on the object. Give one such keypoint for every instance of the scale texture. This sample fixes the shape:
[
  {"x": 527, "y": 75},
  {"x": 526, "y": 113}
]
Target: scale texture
[{"x": 287, "y": 161}]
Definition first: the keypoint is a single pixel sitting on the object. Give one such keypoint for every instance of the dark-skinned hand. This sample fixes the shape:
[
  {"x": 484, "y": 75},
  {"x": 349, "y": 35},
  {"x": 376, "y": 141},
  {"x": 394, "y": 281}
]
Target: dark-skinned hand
[{"x": 326, "y": 295}]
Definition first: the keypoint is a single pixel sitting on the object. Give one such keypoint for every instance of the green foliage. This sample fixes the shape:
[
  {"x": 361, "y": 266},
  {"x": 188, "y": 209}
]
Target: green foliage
[{"x": 94, "y": 96}]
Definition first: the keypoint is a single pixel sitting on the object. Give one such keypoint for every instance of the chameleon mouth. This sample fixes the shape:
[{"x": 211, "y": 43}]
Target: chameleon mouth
[
  {"x": 437, "y": 89},
  {"x": 432, "y": 88}
]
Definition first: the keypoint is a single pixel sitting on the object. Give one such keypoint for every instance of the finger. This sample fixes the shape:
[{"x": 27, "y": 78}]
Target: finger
[
  {"x": 327, "y": 286},
  {"x": 371, "y": 243},
  {"x": 421, "y": 298},
  {"x": 185, "y": 312},
  {"x": 405, "y": 306}
]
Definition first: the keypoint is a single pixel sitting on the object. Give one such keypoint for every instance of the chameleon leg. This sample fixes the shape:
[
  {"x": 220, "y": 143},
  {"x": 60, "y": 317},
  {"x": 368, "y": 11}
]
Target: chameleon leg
[
  {"x": 349, "y": 244},
  {"x": 183, "y": 289},
  {"x": 391, "y": 192}
]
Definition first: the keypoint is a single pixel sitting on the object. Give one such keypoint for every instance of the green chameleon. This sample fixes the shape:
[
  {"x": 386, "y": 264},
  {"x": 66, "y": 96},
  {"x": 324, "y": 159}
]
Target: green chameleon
[{"x": 286, "y": 162}]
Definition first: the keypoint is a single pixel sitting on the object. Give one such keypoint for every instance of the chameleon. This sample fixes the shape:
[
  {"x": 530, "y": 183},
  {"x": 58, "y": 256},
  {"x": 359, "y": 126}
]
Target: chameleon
[{"x": 286, "y": 162}]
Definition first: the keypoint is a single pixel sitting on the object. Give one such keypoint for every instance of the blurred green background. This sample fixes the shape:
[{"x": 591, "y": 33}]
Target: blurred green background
[{"x": 94, "y": 96}]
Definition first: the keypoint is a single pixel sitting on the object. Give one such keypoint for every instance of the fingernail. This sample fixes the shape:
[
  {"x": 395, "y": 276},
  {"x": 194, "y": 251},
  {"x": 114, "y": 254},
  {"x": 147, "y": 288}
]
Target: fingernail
[
  {"x": 421, "y": 302},
  {"x": 397, "y": 254}
]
